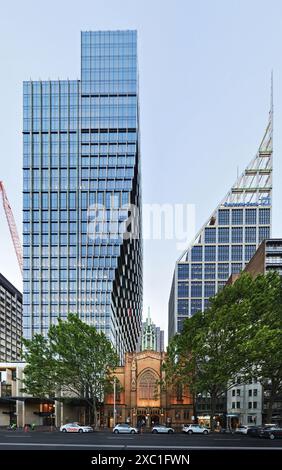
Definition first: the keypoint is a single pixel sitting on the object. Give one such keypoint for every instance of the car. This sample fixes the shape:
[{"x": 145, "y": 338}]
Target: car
[
  {"x": 195, "y": 429},
  {"x": 271, "y": 431},
  {"x": 243, "y": 429},
  {"x": 75, "y": 427},
  {"x": 124, "y": 428},
  {"x": 162, "y": 428}
]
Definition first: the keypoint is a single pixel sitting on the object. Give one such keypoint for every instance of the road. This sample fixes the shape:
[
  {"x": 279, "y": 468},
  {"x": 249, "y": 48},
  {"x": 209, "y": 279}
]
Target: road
[{"x": 12, "y": 440}]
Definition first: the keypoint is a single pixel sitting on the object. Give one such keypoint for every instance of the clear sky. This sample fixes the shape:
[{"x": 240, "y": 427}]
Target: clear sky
[{"x": 204, "y": 92}]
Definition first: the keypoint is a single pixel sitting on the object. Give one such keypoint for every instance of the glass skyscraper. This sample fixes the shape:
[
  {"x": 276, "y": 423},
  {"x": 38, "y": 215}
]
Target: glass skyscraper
[
  {"x": 227, "y": 241},
  {"x": 81, "y": 178}
]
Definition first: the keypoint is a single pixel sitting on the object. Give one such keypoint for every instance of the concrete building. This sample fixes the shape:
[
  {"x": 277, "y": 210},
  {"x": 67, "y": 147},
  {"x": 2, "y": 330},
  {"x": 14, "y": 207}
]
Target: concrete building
[
  {"x": 244, "y": 404},
  {"x": 81, "y": 178},
  {"x": 268, "y": 257},
  {"x": 10, "y": 321},
  {"x": 151, "y": 337}
]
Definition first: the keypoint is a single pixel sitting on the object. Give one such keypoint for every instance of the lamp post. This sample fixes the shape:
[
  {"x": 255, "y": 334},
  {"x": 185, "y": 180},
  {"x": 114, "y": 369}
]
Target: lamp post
[{"x": 114, "y": 402}]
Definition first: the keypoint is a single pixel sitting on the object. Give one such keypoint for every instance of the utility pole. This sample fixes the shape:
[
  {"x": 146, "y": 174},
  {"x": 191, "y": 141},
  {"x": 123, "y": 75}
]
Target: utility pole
[{"x": 115, "y": 401}]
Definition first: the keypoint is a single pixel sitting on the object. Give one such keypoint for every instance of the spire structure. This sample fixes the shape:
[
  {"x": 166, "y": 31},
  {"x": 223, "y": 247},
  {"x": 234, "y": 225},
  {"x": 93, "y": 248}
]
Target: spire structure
[{"x": 230, "y": 237}]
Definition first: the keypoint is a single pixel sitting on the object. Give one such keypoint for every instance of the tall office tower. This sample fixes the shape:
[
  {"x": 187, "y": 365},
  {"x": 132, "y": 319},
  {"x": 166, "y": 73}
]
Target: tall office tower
[
  {"x": 151, "y": 337},
  {"x": 10, "y": 322},
  {"x": 81, "y": 176},
  {"x": 227, "y": 241}
]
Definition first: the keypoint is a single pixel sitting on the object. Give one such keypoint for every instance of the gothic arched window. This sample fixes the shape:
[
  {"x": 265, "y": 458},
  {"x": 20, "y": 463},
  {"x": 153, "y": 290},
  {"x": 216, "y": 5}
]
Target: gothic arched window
[{"x": 148, "y": 386}]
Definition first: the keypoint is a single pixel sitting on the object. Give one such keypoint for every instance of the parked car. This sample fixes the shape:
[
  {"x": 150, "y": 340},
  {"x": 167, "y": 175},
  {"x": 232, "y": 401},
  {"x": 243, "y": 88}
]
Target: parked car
[
  {"x": 75, "y": 427},
  {"x": 124, "y": 428},
  {"x": 161, "y": 428},
  {"x": 195, "y": 429},
  {"x": 273, "y": 433},
  {"x": 254, "y": 431},
  {"x": 243, "y": 429}
]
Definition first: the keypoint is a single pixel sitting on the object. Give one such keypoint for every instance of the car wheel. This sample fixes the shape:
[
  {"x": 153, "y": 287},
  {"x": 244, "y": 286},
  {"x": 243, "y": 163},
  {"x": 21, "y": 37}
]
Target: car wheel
[
  {"x": 169, "y": 431},
  {"x": 155, "y": 431},
  {"x": 116, "y": 431},
  {"x": 80, "y": 430},
  {"x": 205, "y": 432},
  {"x": 64, "y": 430},
  {"x": 190, "y": 432},
  {"x": 271, "y": 436},
  {"x": 132, "y": 432}
]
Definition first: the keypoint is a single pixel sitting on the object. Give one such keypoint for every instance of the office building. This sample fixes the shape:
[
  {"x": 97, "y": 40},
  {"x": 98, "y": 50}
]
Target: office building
[
  {"x": 10, "y": 321},
  {"x": 228, "y": 240},
  {"x": 81, "y": 175}
]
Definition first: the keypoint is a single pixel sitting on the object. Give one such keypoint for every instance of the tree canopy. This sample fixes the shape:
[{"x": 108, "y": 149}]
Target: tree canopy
[{"x": 75, "y": 360}]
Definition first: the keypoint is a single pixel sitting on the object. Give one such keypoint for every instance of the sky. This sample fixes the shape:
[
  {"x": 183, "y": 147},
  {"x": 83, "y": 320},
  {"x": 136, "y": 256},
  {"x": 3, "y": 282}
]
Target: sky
[{"x": 204, "y": 70}]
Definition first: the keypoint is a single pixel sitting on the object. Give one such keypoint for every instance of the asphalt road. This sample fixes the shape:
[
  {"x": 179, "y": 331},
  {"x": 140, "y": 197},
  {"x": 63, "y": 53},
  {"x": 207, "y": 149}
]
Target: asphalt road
[{"x": 12, "y": 440}]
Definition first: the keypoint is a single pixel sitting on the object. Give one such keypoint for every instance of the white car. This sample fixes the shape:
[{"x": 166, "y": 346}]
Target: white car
[
  {"x": 195, "y": 429},
  {"x": 161, "y": 428},
  {"x": 242, "y": 429},
  {"x": 75, "y": 427},
  {"x": 124, "y": 428}
]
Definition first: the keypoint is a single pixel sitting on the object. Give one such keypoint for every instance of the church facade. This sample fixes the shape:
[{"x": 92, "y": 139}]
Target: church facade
[{"x": 140, "y": 394}]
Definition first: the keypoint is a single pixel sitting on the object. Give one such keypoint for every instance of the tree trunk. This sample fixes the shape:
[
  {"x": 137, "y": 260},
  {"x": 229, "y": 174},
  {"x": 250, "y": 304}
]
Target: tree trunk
[
  {"x": 270, "y": 405},
  {"x": 95, "y": 413},
  {"x": 213, "y": 408}
]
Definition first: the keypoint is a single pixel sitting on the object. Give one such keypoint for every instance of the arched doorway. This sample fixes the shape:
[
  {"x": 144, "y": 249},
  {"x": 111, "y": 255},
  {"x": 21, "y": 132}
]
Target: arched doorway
[{"x": 155, "y": 419}]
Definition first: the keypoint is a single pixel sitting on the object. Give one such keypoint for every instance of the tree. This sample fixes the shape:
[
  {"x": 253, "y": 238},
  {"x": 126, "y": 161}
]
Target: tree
[
  {"x": 207, "y": 355},
  {"x": 264, "y": 343},
  {"x": 75, "y": 360}
]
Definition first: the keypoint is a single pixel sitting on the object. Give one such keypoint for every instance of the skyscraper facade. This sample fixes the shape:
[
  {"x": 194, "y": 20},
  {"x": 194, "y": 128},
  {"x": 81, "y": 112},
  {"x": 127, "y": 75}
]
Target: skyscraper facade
[
  {"x": 10, "y": 321},
  {"x": 227, "y": 241},
  {"x": 81, "y": 176}
]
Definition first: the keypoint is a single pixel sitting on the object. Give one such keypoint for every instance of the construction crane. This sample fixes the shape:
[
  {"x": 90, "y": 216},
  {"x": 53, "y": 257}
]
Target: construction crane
[{"x": 12, "y": 226}]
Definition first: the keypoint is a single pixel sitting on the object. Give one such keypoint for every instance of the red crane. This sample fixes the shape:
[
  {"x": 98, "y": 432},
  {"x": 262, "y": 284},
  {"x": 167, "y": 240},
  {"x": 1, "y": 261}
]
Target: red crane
[{"x": 12, "y": 226}]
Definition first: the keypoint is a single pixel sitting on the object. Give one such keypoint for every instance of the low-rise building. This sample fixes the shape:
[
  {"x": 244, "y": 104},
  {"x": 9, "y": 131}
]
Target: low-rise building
[
  {"x": 244, "y": 404},
  {"x": 10, "y": 321}
]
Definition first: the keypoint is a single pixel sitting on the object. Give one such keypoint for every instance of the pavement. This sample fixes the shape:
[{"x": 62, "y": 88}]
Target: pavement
[{"x": 36, "y": 440}]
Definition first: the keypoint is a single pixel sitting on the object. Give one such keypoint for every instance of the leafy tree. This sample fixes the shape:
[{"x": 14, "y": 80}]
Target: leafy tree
[{"x": 75, "y": 360}]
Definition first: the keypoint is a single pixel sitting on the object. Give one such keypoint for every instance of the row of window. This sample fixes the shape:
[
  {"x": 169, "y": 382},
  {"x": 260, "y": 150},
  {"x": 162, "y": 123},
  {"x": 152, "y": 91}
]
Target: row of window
[
  {"x": 225, "y": 252},
  {"x": 236, "y": 234},
  {"x": 251, "y": 404},
  {"x": 251, "y": 392},
  {"x": 236, "y": 216}
]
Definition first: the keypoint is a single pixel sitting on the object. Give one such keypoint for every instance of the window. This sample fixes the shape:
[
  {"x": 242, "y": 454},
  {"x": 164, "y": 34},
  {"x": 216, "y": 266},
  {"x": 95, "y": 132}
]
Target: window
[
  {"x": 196, "y": 271},
  {"x": 196, "y": 306},
  {"x": 223, "y": 253},
  {"x": 196, "y": 253},
  {"x": 223, "y": 235},
  {"x": 250, "y": 235},
  {"x": 233, "y": 405},
  {"x": 209, "y": 289},
  {"x": 236, "y": 252},
  {"x": 223, "y": 217},
  {"x": 237, "y": 235},
  {"x": 250, "y": 393},
  {"x": 196, "y": 289},
  {"x": 264, "y": 233},
  {"x": 238, "y": 391},
  {"x": 237, "y": 216},
  {"x": 183, "y": 306},
  {"x": 238, "y": 404},
  {"x": 209, "y": 271},
  {"x": 264, "y": 216},
  {"x": 255, "y": 404},
  {"x": 233, "y": 393},
  {"x": 210, "y": 253},
  {"x": 236, "y": 268},
  {"x": 183, "y": 289},
  {"x": 255, "y": 392},
  {"x": 183, "y": 271},
  {"x": 210, "y": 235},
  {"x": 249, "y": 252},
  {"x": 250, "y": 405},
  {"x": 147, "y": 386},
  {"x": 251, "y": 216},
  {"x": 223, "y": 270},
  {"x": 186, "y": 414}
]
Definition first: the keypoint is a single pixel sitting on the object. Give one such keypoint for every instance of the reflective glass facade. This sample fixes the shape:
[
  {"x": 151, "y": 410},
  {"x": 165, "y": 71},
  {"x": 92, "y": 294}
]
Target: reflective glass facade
[
  {"x": 227, "y": 242},
  {"x": 81, "y": 152}
]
